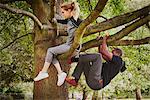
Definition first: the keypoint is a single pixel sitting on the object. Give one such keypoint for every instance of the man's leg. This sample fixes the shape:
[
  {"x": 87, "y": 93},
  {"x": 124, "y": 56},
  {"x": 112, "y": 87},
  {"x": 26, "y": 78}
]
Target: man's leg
[
  {"x": 93, "y": 73},
  {"x": 88, "y": 57},
  {"x": 78, "y": 70},
  {"x": 84, "y": 64},
  {"x": 73, "y": 80}
]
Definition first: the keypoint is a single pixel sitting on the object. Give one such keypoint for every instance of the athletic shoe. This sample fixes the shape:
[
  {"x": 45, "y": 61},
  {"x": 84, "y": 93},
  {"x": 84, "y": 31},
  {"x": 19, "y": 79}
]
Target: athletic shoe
[
  {"x": 41, "y": 76},
  {"x": 61, "y": 78},
  {"x": 71, "y": 81}
]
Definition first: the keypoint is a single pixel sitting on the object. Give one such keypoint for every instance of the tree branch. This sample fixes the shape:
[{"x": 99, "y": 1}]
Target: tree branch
[
  {"x": 103, "y": 17},
  {"x": 130, "y": 42},
  {"x": 129, "y": 28},
  {"x": 124, "y": 43},
  {"x": 116, "y": 21},
  {"x": 14, "y": 41},
  {"x": 32, "y": 16},
  {"x": 52, "y": 4},
  {"x": 79, "y": 32},
  {"x": 62, "y": 32},
  {"x": 148, "y": 25},
  {"x": 119, "y": 35}
]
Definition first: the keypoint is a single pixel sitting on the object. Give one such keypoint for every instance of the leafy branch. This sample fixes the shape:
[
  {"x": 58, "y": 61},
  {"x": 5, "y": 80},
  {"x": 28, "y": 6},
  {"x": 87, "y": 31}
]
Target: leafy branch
[
  {"x": 15, "y": 41},
  {"x": 26, "y": 13},
  {"x": 119, "y": 35}
]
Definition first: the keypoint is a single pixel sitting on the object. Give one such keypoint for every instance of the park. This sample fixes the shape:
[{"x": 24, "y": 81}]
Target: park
[{"x": 28, "y": 29}]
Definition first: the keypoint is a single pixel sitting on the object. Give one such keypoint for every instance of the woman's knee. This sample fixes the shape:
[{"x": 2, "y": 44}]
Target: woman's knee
[
  {"x": 49, "y": 49},
  {"x": 49, "y": 53}
]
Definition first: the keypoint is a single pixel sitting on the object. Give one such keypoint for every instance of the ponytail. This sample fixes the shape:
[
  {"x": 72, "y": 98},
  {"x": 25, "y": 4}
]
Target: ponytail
[{"x": 76, "y": 11}]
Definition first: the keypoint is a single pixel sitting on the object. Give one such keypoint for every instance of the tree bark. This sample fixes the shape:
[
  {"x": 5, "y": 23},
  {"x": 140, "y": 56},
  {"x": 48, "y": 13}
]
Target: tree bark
[
  {"x": 138, "y": 94},
  {"x": 95, "y": 95},
  {"x": 117, "y": 21},
  {"x": 84, "y": 94},
  {"x": 46, "y": 89}
]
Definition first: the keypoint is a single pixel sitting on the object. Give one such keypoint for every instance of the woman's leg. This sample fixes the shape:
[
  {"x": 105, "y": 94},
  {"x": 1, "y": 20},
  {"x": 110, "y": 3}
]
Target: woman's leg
[
  {"x": 61, "y": 75},
  {"x": 46, "y": 66},
  {"x": 57, "y": 65},
  {"x": 49, "y": 58}
]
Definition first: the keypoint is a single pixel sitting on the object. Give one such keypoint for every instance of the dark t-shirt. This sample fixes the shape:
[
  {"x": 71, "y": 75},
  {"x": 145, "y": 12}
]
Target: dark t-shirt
[{"x": 110, "y": 69}]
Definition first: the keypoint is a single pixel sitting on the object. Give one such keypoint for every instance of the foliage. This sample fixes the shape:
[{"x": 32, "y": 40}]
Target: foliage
[
  {"x": 16, "y": 63},
  {"x": 17, "y": 59}
]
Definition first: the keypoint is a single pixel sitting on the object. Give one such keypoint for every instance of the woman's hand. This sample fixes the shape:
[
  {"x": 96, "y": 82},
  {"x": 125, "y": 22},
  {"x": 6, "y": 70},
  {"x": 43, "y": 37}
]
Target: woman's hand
[{"x": 54, "y": 20}]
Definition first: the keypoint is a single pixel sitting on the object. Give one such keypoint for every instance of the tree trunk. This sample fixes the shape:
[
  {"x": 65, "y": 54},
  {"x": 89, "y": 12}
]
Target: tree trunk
[
  {"x": 138, "y": 94},
  {"x": 95, "y": 95},
  {"x": 47, "y": 89},
  {"x": 84, "y": 94},
  {"x": 43, "y": 39}
]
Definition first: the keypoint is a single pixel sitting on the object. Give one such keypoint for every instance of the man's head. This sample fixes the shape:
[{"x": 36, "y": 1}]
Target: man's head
[{"x": 117, "y": 52}]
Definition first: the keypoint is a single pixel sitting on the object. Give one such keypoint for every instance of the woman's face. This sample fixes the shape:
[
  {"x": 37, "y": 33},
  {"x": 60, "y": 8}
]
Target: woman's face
[{"x": 66, "y": 13}]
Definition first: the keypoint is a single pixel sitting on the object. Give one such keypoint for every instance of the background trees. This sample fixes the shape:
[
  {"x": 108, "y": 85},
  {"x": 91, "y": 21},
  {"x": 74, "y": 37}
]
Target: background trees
[{"x": 24, "y": 36}]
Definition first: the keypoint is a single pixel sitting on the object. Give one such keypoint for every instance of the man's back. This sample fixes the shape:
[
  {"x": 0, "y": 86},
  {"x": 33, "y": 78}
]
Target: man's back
[{"x": 110, "y": 69}]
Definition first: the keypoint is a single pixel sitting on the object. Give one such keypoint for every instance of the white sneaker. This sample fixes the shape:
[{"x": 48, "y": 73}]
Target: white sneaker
[
  {"x": 41, "y": 76},
  {"x": 61, "y": 78}
]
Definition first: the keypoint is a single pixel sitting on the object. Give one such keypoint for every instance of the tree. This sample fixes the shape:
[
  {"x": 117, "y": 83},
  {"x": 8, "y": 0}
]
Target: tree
[{"x": 45, "y": 36}]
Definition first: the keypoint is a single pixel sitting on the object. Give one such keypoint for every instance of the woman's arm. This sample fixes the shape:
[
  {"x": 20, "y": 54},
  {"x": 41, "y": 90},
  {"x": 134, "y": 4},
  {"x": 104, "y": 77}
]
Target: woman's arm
[{"x": 62, "y": 21}]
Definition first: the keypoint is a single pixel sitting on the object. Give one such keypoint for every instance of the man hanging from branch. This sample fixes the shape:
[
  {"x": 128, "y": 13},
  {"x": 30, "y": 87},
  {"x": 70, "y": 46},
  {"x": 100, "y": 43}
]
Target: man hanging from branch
[{"x": 98, "y": 74}]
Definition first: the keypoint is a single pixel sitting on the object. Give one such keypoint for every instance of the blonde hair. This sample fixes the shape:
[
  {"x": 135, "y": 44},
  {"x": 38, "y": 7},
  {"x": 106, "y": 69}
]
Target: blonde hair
[{"x": 74, "y": 6}]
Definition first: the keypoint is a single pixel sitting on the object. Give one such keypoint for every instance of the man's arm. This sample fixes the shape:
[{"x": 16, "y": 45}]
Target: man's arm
[
  {"x": 104, "y": 50},
  {"x": 104, "y": 57}
]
